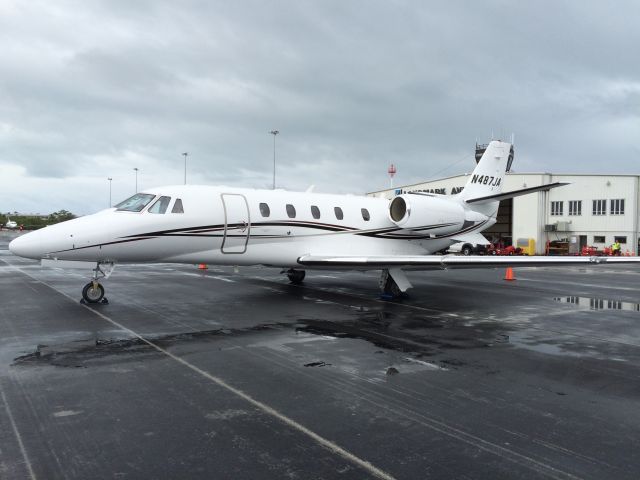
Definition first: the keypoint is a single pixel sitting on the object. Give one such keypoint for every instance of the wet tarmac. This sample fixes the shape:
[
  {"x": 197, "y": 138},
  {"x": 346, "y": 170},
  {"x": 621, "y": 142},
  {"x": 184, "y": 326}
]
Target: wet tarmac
[{"x": 217, "y": 374}]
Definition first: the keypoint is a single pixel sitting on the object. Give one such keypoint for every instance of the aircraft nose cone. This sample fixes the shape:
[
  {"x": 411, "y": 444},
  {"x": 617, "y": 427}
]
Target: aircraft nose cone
[{"x": 25, "y": 247}]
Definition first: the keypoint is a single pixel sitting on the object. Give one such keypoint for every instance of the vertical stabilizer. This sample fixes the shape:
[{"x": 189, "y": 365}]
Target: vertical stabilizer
[{"x": 488, "y": 176}]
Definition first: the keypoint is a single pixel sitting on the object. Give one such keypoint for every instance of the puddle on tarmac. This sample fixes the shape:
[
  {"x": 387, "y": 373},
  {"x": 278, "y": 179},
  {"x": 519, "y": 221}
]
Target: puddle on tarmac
[{"x": 593, "y": 303}]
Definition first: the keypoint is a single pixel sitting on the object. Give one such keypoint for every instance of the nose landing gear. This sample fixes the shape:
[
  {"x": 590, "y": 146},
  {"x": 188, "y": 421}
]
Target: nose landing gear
[{"x": 93, "y": 292}]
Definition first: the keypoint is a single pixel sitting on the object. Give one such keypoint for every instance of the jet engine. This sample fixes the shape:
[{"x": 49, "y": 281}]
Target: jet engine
[{"x": 430, "y": 215}]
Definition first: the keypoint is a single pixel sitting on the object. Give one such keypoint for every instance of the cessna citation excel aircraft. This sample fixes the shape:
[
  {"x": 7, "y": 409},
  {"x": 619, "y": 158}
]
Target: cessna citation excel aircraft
[{"x": 291, "y": 230}]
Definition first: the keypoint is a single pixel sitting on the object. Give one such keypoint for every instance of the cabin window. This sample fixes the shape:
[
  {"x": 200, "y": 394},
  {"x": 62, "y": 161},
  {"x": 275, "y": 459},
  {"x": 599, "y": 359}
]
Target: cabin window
[
  {"x": 291, "y": 211},
  {"x": 135, "y": 203},
  {"x": 315, "y": 211},
  {"x": 265, "y": 211},
  {"x": 338, "y": 212},
  {"x": 177, "y": 207},
  {"x": 365, "y": 214},
  {"x": 161, "y": 205}
]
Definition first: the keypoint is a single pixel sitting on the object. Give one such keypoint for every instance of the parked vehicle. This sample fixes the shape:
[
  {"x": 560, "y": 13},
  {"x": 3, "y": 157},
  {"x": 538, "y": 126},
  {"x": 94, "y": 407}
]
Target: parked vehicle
[
  {"x": 510, "y": 250},
  {"x": 466, "y": 248}
]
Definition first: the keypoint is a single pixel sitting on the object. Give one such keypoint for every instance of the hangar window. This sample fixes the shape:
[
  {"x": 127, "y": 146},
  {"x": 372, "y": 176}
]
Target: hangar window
[
  {"x": 135, "y": 203},
  {"x": 161, "y": 205},
  {"x": 575, "y": 207},
  {"x": 291, "y": 211},
  {"x": 338, "y": 212},
  {"x": 599, "y": 239},
  {"x": 617, "y": 207},
  {"x": 177, "y": 207},
  {"x": 599, "y": 207},
  {"x": 365, "y": 214},
  {"x": 557, "y": 208},
  {"x": 315, "y": 211},
  {"x": 620, "y": 239},
  {"x": 265, "y": 211}
]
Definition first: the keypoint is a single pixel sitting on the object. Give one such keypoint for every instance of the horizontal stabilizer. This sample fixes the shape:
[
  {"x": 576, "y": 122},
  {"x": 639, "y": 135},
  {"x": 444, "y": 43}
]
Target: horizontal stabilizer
[
  {"x": 516, "y": 193},
  {"x": 444, "y": 262}
]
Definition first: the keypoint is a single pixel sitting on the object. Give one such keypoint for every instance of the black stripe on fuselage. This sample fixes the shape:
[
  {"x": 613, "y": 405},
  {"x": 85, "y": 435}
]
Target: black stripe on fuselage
[{"x": 382, "y": 233}]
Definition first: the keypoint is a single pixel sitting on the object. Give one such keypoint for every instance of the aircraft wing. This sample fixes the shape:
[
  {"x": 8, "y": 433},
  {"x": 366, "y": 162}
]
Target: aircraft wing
[{"x": 445, "y": 262}]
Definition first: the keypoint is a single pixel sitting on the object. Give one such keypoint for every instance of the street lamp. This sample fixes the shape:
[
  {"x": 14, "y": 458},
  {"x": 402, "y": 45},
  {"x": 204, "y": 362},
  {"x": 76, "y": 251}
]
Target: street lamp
[
  {"x": 274, "y": 133},
  {"x": 185, "y": 166},
  {"x": 136, "y": 170},
  {"x": 110, "y": 179}
]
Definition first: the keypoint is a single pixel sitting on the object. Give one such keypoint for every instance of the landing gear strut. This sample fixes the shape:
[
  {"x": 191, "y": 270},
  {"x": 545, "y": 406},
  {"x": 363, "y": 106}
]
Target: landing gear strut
[
  {"x": 93, "y": 292},
  {"x": 295, "y": 276}
]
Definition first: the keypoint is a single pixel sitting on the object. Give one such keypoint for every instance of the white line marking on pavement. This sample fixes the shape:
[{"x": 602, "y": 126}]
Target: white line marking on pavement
[
  {"x": 328, "y": 444},
  {"x": 17, "y": 434}
]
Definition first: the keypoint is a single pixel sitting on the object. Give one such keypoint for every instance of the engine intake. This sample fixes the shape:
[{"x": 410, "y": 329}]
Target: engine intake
[{"x": 425, "y": 213}]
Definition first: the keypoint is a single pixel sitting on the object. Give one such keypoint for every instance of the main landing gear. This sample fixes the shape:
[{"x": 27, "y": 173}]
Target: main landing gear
[
  {"x": 393, "y": 284},
  {"x": 93, "y": 292},
  {"x": 295, "y": 276}
]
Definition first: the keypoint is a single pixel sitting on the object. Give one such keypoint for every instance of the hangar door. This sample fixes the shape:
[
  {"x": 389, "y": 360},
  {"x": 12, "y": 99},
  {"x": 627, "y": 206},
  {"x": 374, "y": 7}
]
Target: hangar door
[
  {"x": 237, "y": 224},
  {"x": 503, "y": 228}
]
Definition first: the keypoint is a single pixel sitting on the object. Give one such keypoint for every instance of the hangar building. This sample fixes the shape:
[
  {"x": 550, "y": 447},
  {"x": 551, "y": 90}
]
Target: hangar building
[{"x": 593, "y": 210}]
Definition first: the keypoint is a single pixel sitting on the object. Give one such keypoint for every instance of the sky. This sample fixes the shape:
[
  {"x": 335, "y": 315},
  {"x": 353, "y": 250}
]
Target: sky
[{"x": 90, "y": 90}]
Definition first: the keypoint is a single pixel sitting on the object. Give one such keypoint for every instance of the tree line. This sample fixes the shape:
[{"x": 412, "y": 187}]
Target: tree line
[{"x": 33, "y": 222}]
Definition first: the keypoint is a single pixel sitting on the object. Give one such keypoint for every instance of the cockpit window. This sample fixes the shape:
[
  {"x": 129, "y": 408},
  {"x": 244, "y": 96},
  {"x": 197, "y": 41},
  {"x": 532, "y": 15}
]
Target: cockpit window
[
  {"x": 135, "y": 203},
  {"x": 177, "y": 207},
  {"x": 161, "y": 205}
]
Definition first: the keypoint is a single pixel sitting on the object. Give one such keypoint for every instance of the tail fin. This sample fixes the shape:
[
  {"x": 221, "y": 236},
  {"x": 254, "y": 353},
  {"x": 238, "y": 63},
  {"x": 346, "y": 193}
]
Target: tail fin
[{"x": 488, "y": 176}]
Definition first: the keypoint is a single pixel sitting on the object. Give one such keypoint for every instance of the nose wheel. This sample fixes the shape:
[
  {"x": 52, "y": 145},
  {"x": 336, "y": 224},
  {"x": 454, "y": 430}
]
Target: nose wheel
[{"x": 93, "y": 292}]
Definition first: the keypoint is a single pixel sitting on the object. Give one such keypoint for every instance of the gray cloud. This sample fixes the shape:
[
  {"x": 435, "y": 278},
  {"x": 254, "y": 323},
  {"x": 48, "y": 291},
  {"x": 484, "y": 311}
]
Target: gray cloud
[{"x": 91, "y": 90}]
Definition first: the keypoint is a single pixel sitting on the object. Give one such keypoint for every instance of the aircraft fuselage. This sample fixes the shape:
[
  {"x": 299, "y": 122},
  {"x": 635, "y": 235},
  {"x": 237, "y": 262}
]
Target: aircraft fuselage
[{"x": 232, "y": 226}]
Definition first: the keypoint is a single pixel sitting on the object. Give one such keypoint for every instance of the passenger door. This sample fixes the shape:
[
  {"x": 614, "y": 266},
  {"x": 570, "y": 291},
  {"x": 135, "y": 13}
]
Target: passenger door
[{"x": 237, "y": 223}]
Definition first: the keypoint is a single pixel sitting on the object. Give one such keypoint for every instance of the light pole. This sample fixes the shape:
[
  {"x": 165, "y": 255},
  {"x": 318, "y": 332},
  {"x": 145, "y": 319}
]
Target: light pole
[
  {"x": 185, "y": 166},
  {"x": 274, "y": 133},
  {"x": 110, "y": 179},
  {"x": 136, "y": 170}
]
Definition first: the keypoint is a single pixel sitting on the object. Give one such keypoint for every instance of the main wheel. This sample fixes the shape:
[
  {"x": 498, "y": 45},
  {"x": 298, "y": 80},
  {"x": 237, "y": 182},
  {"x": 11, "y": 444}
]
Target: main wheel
[
  {"x": 296, "y": 276},
  {"x": 467, "y": 250},
  {"x": 92, "y": 294}
]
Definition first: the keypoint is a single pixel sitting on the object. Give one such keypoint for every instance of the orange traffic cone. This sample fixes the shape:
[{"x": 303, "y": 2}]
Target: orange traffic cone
[
  {"x": 202, "y": 266},
  {"x": 509, "y": 274}
]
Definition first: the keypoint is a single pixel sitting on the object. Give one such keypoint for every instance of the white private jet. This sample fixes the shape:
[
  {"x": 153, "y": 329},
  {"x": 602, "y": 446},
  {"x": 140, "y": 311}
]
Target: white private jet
[
  {"x": 291, "y": 230},
  {"x": 11, "y": 224}
]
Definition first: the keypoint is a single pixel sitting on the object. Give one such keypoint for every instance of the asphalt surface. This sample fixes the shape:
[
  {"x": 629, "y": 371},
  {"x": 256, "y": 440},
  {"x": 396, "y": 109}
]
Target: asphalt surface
[{"x": 218, "y": 374}]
